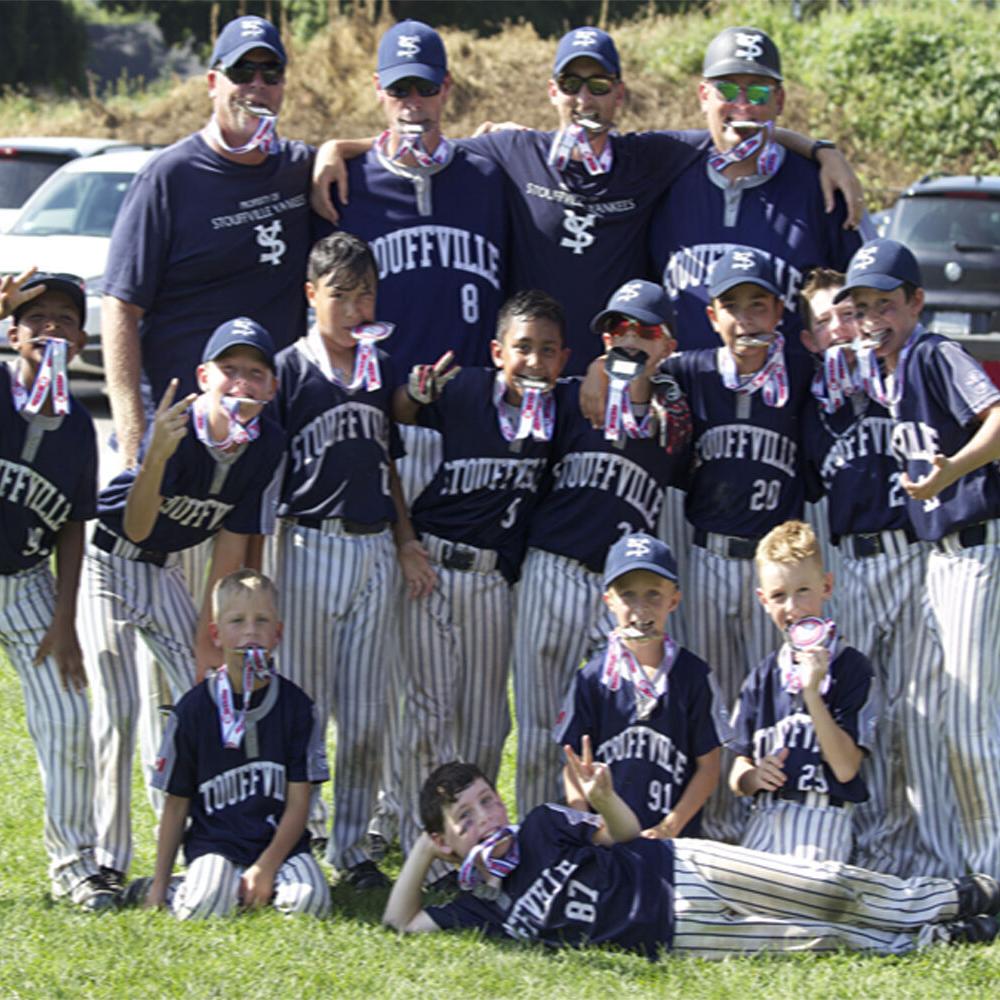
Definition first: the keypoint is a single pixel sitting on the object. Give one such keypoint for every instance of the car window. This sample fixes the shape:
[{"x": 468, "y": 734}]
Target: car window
[
  {"x": 926, "y": 222},
  {"x": 21, "y": 173},
  {"x": 81, "y": 204}
]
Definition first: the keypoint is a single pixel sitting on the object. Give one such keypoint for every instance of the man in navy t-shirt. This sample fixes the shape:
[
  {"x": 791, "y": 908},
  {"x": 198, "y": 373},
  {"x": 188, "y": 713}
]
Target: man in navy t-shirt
[{"x": 215, "y": 226}]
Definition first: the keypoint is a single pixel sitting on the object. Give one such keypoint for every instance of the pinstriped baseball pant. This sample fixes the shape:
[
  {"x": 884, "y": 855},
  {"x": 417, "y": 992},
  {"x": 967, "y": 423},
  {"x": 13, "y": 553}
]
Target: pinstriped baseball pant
[{"x": 59, "y": 723}]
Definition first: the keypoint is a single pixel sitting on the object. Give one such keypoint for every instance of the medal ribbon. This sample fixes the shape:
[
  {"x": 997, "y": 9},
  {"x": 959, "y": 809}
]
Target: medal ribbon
[
  {"x": 238, "y": 433},
  {"x": 770, "y": 158},
  {"x": 414, "y": 144},
  {"x": 469, "y": 874},
  {"x": 575, "y": 136},
  {"x": 620, "y": 664},
  {"x": 265, "y": 137},
  {"x": 537, "y": 417},
  {"x": 367, "y": 374},
  {"x": 871, "y": 374},
  {"x": 772, "y": 376},
  {"x": 834, "y": 381},
  {"x": 233, "y": 724},
  {"x": 618, "y": 415},
  {"x": 51, "y": 378}
]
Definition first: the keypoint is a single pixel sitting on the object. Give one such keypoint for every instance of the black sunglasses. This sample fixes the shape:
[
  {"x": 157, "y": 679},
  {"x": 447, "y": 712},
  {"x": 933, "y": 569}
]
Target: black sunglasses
[
  {"x": 245, "y": 70},
  {"x": 401, "y": 88},
  {"x": 598, "y": 85}
]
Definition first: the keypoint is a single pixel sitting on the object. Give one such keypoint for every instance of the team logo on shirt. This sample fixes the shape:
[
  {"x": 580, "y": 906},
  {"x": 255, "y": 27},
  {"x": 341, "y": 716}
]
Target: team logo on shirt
[
  {"x": 749, "y": 45},
  {"x": 251, "y": 28},
  {"x": 585, "y": 37},
  {"x": 268, "y": 237},
  {"x": 409, "y": 46},
  {"x": 578, "y": 227},
  {"x": 865, "y": 257}
]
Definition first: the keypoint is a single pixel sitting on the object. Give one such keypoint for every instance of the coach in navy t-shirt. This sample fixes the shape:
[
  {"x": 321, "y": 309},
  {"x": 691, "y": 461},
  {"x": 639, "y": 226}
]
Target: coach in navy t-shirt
[{"x": 215, "y": 226}]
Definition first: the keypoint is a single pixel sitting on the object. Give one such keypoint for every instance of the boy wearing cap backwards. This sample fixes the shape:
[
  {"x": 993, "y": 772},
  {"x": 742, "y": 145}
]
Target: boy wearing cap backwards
[
  {"x": 211, "y": 467},
  {"x": 48, "y": 488},
  {"x": 567, "y": 878},
  {"x": 946, "y": 436},
  {"x": 237, "y": 762},
  {"x": 651, "y": 709},
  {"x": 806, "y": 715},
  {"x": 341, "y": 504},
  {"x": 603, "y": 483}
]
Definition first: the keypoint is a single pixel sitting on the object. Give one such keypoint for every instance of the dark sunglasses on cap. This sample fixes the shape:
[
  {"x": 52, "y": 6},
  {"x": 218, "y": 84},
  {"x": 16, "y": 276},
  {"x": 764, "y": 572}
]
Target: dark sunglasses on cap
[
  {"x": 622, "y": 327},
  {"x": 245, "y": 70},
  {"x": 757, "y": 93},
  {"x": 401, "y": 88},
  {"x": 599, "y": 85}
]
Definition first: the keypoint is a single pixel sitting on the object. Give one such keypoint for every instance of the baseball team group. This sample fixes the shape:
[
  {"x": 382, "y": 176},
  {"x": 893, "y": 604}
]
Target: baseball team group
[{"x": 638, "y": 419}]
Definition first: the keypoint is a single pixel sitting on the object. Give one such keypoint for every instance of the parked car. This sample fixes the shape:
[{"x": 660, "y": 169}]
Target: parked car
[
  {"x": 26, "y": 161},
  {"x": 66, "y": 226}
]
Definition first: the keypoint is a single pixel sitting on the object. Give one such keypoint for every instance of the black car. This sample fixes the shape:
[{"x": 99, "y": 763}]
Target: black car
[{"x": 952, "y": 225}]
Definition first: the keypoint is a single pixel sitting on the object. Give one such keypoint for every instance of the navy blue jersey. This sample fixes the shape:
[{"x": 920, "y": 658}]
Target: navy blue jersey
[
  {"x": 849, "y": 458},
  {"x": 441, "y": 276},
  {"x": 767, "y": 718},
  {"x": 484, "y": 491},
  {"x": 943, "y": 391},
  {"x": 200, "y": 239},
  {"x": 696, "y": 223},
  {"x": 203, "y": 491},
  {"x": 238, "y": 795},
  {"x": 599, "y": 488},
  {"x": 747, "y": 474},
  {"x": 580, "y": 237},
  {"x": 567, "y": 891},
  {"x": 48, "y": 476},
  {"x": 652, "y": 759},
  {"x": 340, "y": 442}
]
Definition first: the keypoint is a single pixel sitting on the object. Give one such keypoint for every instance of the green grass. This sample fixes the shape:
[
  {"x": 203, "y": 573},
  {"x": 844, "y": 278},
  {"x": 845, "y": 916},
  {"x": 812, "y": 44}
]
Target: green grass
[{"x": 51, "y": 951}]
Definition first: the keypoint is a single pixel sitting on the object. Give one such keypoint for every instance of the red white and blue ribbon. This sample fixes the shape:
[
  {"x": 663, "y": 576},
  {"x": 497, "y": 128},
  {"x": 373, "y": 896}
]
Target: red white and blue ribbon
[
  {"x": 575, "y": 137},
  {"x": 619, "y": 418},
  {"x": 413, "y": 143},
  {"x": 806, "y": 634},
  {"x": 233, "y": 723},
  {"x": 237, "y": 434},
  {"x": 51, "y": 379},
  {"x": 870, "y": 372},
  {"x": 771, "y": 154},
  {"x": 265, "y": 137},
  {"x": 834, "y": 381},
  {"x": 481, "y": 857},
  {"x": 537, "y": 416},
  {"x": 620, "y": 665},
  {"x": 771, "y": 377}
]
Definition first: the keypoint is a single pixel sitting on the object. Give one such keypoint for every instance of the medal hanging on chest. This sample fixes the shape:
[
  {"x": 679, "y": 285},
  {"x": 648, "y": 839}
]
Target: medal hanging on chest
[
  {"x": 537, "y": 415},
  {"x": 772, "y": 377},
  {"x": 233, "y": 723}
]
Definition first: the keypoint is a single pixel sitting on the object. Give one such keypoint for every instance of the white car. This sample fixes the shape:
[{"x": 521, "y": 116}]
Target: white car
[{"x": 66, "y": 226}]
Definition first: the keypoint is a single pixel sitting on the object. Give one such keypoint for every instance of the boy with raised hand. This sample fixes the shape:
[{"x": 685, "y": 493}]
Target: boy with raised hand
[
  {"x": 806, "y": 715},
  {"x": 604, "y": 482},
  {"x": 908, "y": 825},
  {"x": 341, "y": 506},
  {"x": 497, "y": 427},
  {"x": 211, "y": 466},
  {"x": 48, "y": 489},
  {"x": 238, "y": 759},
  {"x": 650, "y": 708},
  {"x": 568, "y": 878},
  {"x": 946, "y": 436}
]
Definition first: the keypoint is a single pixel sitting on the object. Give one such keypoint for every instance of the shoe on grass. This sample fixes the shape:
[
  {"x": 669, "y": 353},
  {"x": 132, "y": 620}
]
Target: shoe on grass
[
  {"x": 981, "y": 929},
  {"x": 136, "y": 891},
  {"x": 977, "y": 894},
  {"x": 365, "y": 875},
  {"x": 93, "y": 895},
  {"x": 114, "y": 879}
]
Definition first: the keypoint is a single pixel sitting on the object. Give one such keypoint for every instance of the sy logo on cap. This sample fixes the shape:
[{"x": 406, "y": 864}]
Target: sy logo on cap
[
  {"x": 742, "y": 265},
  {"x": 408, "y": 46},
  {"x": 882, "y": 264},
  {"x": 584, "y": 36},
  {"x": 644, "y": 301},
  {"x": 639, "y": 551}
]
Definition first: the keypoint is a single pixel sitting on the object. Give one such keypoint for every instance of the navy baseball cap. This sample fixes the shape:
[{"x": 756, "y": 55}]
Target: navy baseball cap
[
  {"x": 591, "y": 42},
  {"x": 741, "y": 50},
  {"x": 742, "y": 265},
  {"x": 411, "y": 48},
  {"x": 645, "y": 301},
  {"x": 237, "y": 332},
  {"x": 639, "y": 551},
  {"x": 68, "y": 284},
  {"x": 881, "y": 264},
  {"x": 243, "y": 34}
]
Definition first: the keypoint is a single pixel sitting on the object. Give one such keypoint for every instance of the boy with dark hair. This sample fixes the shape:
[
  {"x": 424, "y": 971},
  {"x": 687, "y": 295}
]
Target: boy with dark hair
[
  {"x": 497, "y": 427},
  {"x": 48, "y": 489},
  {"x": 946, "y": 437},
  {"x": 238, "y": 780},
  {"x": 564, "y": 877},
  {"x": 341, "y": 506}
]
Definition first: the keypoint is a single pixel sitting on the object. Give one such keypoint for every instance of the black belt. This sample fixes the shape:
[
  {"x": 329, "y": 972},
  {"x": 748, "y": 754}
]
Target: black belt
[
  {"x": 793, "y": 795},
  {"x": 967, "y": 538},
  {"x": 462, "y": 560},
  {"x": 863, "y": 545},
  {"x": 735, "y": 548},
  {"x": 350, "y": 527},
  {"x": 107, "y": 541}
]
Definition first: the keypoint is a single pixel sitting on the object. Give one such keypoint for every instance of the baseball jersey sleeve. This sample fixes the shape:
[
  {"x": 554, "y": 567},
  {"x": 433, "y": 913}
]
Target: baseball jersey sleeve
[
  {"x": 856, "y": 701},
  {"x": 306, "y": 751},
  {"x": 710, "y": 728},
  {"x": 577, "y": 716},
  {"x": 960, "y": 383},
  {"x": 176, "y": 768}
]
